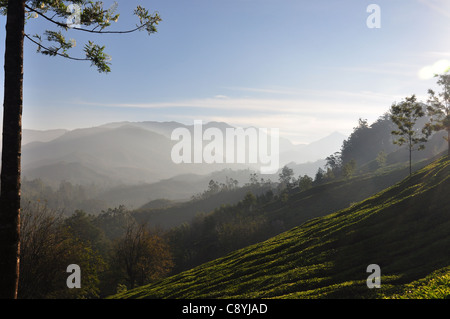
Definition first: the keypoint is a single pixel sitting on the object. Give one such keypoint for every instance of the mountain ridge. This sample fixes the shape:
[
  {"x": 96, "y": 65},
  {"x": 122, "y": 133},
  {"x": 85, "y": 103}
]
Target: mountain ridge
[{"x": 132, "y": 152}]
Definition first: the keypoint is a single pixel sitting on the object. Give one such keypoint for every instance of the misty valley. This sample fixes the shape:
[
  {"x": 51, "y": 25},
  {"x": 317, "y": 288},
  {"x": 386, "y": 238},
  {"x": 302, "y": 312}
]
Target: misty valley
[{"x": 74, "y": 189}]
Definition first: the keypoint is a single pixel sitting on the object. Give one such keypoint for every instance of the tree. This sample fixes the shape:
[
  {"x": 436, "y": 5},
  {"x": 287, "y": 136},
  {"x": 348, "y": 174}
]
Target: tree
[
  {"x": 230, "y": 183},
  {"x": 47, "y": 248},
  {"x": 82, "y": 227},
  {"x": 365, "y": 142},
  {"x": 213, "y": 188},
  {"x": 254, "y": 179},
  {"x": 405, "y": 115},
  {"x": 143, "y": 255},
  {"x": 112, "y": 220},
  {"x": 334, "y": 161},
  {"x": 10, "y": 173},
  {"x": 381, "y": 159},
  {"x": 249, "y": 200},
  {"x": 349, "y": 168},
  {"x": 89, "y": 17},
  {"x": 305, "y": 182},
  {"x": 320, "y": 175},
  {"x": 439, "y": 108},
  {"x": 285, "y": 176},
  {"x": 334, "y": 165}
]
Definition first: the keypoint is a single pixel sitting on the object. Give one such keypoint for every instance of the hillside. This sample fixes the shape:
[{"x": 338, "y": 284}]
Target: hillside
[
  {"x": 315, "y": 202},
  {"x": 209, "y": 228},
  {"x": 175, "y": 214},
  {"x": 404, "y": 229},
  {"x": 179, "y": 188}
]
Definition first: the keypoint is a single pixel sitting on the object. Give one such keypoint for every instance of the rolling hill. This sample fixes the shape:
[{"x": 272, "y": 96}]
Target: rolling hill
[
  {"x": 302, "y": 205},
  {"x": 403, "y": 229},
  {"x": 179, "y": 188}
]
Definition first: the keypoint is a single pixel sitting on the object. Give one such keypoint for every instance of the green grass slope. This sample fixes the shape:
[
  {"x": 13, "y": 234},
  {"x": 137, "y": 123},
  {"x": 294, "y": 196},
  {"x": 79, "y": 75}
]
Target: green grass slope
[
  {"x": 405, "y": 229},
  {"x": 433, "y": 286}
]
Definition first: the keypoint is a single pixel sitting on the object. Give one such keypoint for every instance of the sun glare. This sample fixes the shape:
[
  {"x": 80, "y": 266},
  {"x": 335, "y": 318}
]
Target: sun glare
[{"x": 438, "y": 67}]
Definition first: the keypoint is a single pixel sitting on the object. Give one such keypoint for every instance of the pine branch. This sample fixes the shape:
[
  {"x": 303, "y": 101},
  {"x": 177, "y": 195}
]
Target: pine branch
[
  {"x": 53, "y": 51},
  {"x": 67, "y": 26}
]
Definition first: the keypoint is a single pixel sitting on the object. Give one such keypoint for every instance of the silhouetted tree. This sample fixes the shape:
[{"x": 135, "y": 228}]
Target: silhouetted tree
[
  {"x": 405, "y": 115},
  {"x": 213, "y": 188},
  {"x": 320, "y": 175},
  {"x": 305, "y": 182},
  {"x": 254, "y": 179},
  {"x": 334, "y": 165},
  {"x": 285, "y": 177},
  {"x": 334, "y": 161},
  {"x": 81, "y": 15},
  {"x": 439, "y": 108},
  {"x": 365, "y": 142}
]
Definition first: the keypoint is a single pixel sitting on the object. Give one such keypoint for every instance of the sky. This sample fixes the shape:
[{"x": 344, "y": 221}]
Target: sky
[{"x": 308, "y": 68}]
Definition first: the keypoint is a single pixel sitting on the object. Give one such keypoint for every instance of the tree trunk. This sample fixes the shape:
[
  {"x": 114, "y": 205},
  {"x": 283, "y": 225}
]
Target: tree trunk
[
  {"x": 410, "y": 162},
  {"x": 410, "y": 145},
  {"x": 448, "y": 141},
  {"x": 11, "y": 152}
]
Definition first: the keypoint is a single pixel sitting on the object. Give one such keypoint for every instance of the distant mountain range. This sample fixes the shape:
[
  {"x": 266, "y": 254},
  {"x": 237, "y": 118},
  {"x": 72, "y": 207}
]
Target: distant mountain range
[{"x": 127, "y": 153}]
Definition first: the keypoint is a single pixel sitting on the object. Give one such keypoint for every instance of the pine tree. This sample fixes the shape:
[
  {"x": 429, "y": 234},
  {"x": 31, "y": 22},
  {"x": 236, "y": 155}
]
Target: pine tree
[{"x": 81, "y": 15}]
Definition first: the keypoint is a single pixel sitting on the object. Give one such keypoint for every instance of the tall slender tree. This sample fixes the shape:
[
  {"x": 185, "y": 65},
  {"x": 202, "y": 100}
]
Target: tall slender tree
[
  {"x": 439, "y": 107},
  {"x": 405, "y": 115},
  {"x": 81, "y": 15},
  {"x": 11, "y": 151}
]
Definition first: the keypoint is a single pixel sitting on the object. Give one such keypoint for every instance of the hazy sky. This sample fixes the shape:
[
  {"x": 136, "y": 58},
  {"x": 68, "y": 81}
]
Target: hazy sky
[{"x": 308, "y": 68}]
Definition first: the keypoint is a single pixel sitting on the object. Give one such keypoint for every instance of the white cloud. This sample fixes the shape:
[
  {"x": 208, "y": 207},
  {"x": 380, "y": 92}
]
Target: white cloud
[
  {"x": 331, "y": 103},
  {"x": 280, "y": 91},
  {"x": 221, "y": 96},
  {"x": 302, "y": 115}
]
